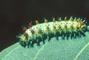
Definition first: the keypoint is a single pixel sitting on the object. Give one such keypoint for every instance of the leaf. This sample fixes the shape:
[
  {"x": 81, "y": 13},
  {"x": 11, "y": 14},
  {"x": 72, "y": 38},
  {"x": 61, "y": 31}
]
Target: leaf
[{"x": 71, "y": 49}]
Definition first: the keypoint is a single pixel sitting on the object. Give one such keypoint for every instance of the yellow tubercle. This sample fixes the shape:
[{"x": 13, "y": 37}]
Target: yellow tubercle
[
  {"x": 65, "y": 26},
  {"x": 37, "y": 22},
  {"x": 59, "y": 19},
  {"x": 23, "y": 38},
  {"x": 71, "y": 19},
  {"x": 46, "y": 21},
  {"x": 53, "y": 20},
  {"x": 39, "y": 31},
  {"x": 47, "y": 28},
  {"x": 65, "y": 18},
  {"x": 59, "y": 27}
]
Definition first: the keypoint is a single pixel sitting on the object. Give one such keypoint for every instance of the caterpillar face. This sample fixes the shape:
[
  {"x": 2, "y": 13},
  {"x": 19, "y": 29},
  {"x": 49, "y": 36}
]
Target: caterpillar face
[{"x": 38, "y": 32}]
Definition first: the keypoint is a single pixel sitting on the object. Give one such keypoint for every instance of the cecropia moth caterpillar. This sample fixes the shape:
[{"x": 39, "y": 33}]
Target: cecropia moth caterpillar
[{"x": 71, "y": 27}]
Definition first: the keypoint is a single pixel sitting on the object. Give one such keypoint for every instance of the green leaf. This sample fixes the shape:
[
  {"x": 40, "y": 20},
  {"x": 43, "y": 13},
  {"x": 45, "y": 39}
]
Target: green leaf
[{"x": 71, "y": 49}]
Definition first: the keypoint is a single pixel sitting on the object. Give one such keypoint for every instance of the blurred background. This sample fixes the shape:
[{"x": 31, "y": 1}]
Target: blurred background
[{"x": 17, "y": 13}]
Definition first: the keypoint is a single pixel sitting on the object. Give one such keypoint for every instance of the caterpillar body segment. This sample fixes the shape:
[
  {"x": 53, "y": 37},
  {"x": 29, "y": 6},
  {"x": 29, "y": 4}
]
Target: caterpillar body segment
[{"x": 64, "y": 28}]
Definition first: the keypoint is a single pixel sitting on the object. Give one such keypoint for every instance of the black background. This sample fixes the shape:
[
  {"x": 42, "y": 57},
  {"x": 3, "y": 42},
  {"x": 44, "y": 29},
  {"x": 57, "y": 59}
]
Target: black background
[{"x": 17, "y": 13}]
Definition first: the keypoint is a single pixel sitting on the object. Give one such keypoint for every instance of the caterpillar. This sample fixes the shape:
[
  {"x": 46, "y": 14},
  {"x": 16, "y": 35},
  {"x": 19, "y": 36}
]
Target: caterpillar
[{"x": 71, "y": 27}]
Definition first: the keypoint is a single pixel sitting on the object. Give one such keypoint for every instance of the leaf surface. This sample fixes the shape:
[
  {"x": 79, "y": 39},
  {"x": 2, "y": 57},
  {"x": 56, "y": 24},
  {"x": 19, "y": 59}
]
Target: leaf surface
[{"x": 71, "y": 49}]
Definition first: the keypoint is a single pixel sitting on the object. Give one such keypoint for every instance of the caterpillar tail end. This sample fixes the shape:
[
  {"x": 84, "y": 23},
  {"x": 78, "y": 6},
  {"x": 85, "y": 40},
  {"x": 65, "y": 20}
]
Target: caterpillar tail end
[{"x": 88, "y": 27}]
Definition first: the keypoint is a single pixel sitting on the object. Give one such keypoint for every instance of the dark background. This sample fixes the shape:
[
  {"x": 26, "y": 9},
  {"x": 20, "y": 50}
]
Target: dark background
[{"x": 17, "y": 13}]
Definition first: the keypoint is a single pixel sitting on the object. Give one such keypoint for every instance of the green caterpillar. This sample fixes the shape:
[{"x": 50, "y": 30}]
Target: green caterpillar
[{"x": 64, "y": 28}]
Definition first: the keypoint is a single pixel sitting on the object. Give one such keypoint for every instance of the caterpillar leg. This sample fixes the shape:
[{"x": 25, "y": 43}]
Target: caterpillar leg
[
  {"x": 31, "y": 44},
  {"x": 74, "y": 35},
  {"x": 22, "y": 43},
  {"x": 42, "y": 39},
  {"x": 63, "y": 37},
  {"x": 70, "y": 35},
  {"x": 37, "y": 40},
  {"x": 67, "y": 36}
]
